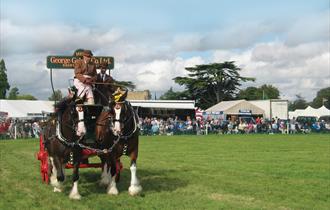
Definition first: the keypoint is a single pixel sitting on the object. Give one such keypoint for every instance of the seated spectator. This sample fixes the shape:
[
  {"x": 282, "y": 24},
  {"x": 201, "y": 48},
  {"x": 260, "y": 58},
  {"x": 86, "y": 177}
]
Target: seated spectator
[
  {"x": 242, "y": 126},
  {"x": 316, "y": 127},
  {"x": 292, "y": 128},
  {"x": 250, "y": 127},
  {"x": 282, "y": 127},
  {"x": 274, "y": 127}
]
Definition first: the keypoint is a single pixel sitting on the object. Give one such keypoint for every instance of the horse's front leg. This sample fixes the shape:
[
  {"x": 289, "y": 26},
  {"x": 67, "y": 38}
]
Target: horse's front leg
[
  {"x": 105, "y": 176},
  {"x": 57, "y": 173},
  {"x": 112, "y": 188},
  {"x": 74, "y": 194},
  {"x": 135, "y": 187}
]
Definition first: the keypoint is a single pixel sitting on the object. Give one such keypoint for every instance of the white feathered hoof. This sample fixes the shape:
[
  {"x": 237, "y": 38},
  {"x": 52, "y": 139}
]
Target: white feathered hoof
[
  {"x": 134, "y": 190},
  {"x": 57, "y": 185},
  {"x": 54, "y": 182},
  {"x": 57, "y": 189},
  {"x": 75, "y": 196},
  {"x": 105, "y": 181},
  {"x": 113, "y": 191}
]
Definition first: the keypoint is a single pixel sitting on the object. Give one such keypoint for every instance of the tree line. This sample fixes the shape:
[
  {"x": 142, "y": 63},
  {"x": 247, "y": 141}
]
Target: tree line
[{"x": 207, "y": 84}]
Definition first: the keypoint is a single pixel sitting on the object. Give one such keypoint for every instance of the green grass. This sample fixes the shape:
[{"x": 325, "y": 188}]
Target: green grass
[{"x": 186, "y": 172}]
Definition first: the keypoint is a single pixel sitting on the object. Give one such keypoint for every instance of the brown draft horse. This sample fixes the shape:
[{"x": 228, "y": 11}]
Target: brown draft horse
[
  {"x": 63, "y": 145},
  {"x": 120, "y": 125},
  {"x": 60, "y": 137}
]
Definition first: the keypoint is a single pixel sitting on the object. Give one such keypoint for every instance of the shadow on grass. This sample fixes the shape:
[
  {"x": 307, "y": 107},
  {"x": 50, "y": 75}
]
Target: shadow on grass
[{"x": 151, "y": 181}]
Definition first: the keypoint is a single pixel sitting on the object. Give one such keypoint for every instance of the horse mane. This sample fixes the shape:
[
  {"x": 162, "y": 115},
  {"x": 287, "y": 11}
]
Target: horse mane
[{"x": 62, "y": 104}]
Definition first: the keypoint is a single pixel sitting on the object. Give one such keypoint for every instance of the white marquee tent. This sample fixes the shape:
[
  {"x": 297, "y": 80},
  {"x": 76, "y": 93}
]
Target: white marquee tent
[
  {"x": 26, "y": 108},
  {"x": 234, "y": 107},
  {"x": 310, "y": 112},
  {"x": 323, "y": 111},
  {"x": 31, "y": 109}
]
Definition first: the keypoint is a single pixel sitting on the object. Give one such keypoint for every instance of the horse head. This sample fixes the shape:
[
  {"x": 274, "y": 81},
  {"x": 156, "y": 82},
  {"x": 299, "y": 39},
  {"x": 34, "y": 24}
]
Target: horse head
[
  {"x": 103, "y": 126},
  {"x": 123, "y": 113},
  {"x": 67, "y": 111},
  {"x": 106, "y": 124}
]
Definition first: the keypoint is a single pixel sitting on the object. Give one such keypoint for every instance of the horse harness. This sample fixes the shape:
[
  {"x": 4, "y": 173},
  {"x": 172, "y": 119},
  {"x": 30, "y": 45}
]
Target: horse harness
[{"x": 124, "y": 138}]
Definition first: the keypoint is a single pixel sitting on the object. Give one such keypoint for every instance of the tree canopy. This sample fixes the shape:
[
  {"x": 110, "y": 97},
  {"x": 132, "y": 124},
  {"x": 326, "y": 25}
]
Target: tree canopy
[
  {"x": 56, "y": 96},
  {"x": 208, "y": 84},
  {"x": 15, "y": 95},
  {"x": 26, "y": 97},
  {"x": 298, "y": 103},
  {"x": 128, "y": 84},
  {"x": 4, "y": 85},
  {"x": 259, "y": 93},
  {"x": 322, "y": 98},
  {"x": 173, "y": 95}
]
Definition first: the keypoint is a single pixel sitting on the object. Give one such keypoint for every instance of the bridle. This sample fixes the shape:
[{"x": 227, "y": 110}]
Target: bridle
[{"x": 126, "y": 121}]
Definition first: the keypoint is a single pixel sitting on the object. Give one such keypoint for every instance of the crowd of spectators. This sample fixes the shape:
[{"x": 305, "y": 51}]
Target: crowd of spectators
[
  {"x": 175, "y": 126},
  {"x": 16, "y": 129}
]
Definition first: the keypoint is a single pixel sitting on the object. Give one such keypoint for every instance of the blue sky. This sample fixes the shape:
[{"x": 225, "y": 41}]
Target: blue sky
[{"x": 155, "y": 40}]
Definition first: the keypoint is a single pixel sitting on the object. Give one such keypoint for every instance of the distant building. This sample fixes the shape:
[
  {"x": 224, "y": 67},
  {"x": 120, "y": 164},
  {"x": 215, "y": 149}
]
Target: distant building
[
  {"x": 146, "y": 108},
  {"x": 274, "y": 108},
  {"x": 164, "y": 108},
  {"x": 139, "y": 95}
]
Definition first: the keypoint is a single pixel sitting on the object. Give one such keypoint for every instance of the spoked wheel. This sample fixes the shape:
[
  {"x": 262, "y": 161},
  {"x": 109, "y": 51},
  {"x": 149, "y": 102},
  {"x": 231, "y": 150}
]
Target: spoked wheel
[{"x": 42, "y": 155}]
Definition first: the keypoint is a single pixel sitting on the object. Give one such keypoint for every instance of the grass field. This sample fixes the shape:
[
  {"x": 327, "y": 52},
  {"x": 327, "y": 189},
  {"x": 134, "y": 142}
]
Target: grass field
[{"x": 186, "y": 172}]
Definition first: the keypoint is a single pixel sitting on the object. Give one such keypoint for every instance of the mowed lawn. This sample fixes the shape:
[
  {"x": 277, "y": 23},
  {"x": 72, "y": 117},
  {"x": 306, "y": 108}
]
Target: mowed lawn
[{"x": 186, "y": 172}]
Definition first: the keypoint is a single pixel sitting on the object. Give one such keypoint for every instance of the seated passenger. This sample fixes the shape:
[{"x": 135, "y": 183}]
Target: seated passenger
[
  {"x": 104, "y": 91},
  {"x": 85, "y": 76}
]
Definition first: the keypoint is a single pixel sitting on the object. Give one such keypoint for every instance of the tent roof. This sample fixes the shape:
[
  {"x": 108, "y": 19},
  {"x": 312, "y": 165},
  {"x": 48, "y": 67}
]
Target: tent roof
[
  {"x": 25, "y": 108},
  {"x": 310, "y": 112},
  {"x": 223, "y": 105},
  {"x": 28, "y": 108},
  {"x": 168, "y": 104},
  {"x": 233, "y": 107},
  {"x": 323, "y": 111}
]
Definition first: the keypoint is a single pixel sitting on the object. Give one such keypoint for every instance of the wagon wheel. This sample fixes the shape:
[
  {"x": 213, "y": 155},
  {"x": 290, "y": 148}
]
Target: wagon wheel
[{"x": 42, "y": 155}]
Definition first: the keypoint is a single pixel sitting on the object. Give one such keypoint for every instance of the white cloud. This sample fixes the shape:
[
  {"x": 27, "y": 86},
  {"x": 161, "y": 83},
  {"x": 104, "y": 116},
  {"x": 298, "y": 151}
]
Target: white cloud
[
  {"x": 310, "y": 29},
  {"x": 303, "y": 69},
  {"x": 292, "y": 56},
  {"x": 19, "y": 39},
  {"x": 156, "y": 75},
  {"x": 187, "y": 42}
]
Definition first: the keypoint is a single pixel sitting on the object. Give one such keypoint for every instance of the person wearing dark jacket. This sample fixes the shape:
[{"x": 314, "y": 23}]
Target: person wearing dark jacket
[{"x": 104, "y": 88}]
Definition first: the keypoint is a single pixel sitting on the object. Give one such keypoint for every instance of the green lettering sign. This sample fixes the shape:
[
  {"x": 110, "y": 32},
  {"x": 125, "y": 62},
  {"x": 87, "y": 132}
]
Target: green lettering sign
[{"x": 67, "y": 62}]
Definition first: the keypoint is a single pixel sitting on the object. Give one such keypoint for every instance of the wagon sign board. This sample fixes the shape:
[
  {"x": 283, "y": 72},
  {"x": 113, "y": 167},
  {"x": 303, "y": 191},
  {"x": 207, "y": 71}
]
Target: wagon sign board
[{"x": 67, "y": 62}]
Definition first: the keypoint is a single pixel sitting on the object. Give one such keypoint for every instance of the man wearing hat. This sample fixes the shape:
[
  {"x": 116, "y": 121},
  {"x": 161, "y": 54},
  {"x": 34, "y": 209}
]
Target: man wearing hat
[
  {"x": 85, "y": 75},
  {"x": 104, "y": 91}
]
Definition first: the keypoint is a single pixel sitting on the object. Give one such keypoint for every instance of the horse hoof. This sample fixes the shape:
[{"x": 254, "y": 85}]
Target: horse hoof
[
  {"x": 134, "y": 190},
  {"x": 54, "y": 182},
  {"x": 57, "y": 189},
  {"x": 75, "y": 196},
  {"x": 113, "y": 191},
  {"x": 104, "y": 182}
]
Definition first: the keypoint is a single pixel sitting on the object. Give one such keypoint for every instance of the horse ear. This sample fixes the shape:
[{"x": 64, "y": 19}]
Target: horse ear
[{"x": 120, "y": 95}]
